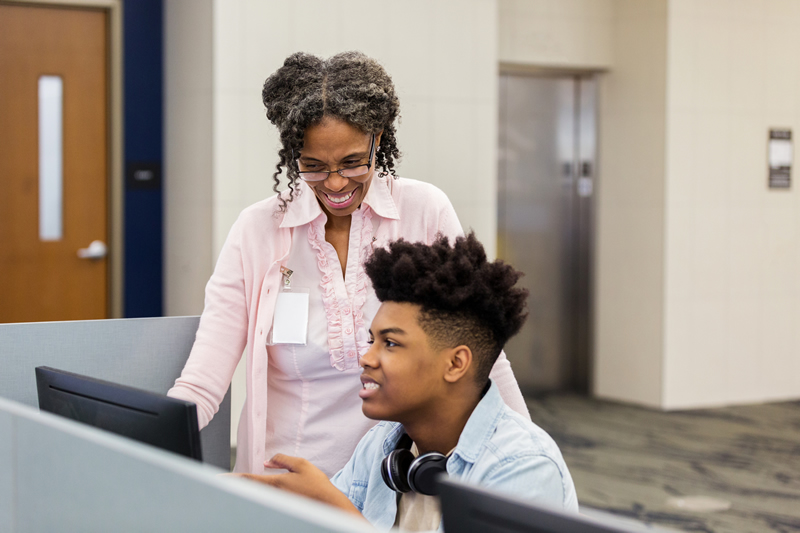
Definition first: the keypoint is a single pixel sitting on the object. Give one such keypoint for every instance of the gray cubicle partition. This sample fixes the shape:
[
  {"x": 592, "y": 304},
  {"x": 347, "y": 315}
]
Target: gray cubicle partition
[
  {"x": 59, "y": 475},
  {"x": 147, "y": 353}
]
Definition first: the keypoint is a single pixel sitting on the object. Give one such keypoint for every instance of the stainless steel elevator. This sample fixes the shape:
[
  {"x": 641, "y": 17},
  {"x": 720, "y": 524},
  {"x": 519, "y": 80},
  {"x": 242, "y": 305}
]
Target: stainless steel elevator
[{"x": 547, "y": 167}]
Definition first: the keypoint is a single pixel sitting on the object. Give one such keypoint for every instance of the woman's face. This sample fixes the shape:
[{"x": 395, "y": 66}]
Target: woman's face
[{"x": 332, "y": 145}]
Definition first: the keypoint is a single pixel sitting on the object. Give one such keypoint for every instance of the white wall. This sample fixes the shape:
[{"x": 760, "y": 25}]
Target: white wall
[
  {"x": 556, "y": 33},
  {"x": 697, "y": 286},
  {"x": 441, "y": 55},
  {"x": 188, "y": 134},
  {"x": 629, "y": 256},
  {"x": 732, "y": 329}
]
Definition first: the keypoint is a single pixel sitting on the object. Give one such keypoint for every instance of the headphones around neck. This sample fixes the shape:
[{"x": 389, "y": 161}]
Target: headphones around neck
[{"x": 402, "y": 472}]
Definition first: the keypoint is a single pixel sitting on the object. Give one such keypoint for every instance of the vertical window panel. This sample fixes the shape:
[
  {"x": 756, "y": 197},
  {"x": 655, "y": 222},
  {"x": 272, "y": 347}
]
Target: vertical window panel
[{"x": 51, "y": 147}]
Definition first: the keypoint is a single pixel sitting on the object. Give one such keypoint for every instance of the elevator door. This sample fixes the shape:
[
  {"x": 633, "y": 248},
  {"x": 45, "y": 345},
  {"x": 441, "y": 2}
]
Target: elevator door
[{"x": 547, "y": 143}]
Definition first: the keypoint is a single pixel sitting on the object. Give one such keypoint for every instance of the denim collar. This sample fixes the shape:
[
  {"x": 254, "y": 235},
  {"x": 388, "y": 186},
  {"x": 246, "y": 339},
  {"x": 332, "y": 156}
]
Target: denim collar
[{"x": 476, "y": 433}]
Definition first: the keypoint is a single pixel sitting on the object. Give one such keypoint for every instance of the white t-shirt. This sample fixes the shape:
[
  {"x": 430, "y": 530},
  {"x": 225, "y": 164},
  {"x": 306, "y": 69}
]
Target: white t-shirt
[{"x": 418, "y": 512}]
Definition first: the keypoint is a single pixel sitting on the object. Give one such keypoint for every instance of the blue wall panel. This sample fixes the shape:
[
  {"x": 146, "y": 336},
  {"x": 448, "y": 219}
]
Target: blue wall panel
[{"x": 143, "y": 97}]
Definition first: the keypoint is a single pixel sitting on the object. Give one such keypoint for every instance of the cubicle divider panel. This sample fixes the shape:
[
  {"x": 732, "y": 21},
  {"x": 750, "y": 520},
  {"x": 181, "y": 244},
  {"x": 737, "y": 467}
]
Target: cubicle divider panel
[
  {"x": 147, "y": 353},
  {"x": 71, "y": 477},
  {"x": 7, "y": 474}
]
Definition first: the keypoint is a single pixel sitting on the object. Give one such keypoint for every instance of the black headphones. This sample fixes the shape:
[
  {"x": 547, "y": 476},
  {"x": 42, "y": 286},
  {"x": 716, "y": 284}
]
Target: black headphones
[{"x": 402, "y": 472}]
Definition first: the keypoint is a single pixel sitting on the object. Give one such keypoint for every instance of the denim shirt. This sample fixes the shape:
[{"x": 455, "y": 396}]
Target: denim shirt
[{"x": 498, "y": 449}]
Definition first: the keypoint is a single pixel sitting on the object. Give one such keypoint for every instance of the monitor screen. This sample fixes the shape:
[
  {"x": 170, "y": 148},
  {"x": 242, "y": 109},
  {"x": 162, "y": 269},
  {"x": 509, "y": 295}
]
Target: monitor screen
[
  {"x": 470, "y": 509},
  {"x": 154, "y": 419}
]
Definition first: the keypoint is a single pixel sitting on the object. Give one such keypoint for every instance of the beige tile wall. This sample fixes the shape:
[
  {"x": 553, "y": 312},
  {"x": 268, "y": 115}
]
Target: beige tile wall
[
  {"x": 732, "y": 329},
  {"x": 627, "y": 38},
  {"x": 697, "y": 297},
  {"x": 556, "y": 33},
  {"x": 628, "y": 358},
  {"x": 442, "y": 56},
  {"x": 188, "y": 134}
]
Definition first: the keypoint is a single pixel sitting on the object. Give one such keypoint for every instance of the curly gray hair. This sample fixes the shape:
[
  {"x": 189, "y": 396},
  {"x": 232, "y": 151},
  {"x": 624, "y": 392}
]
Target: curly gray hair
[{"x": 349, "y": 86}]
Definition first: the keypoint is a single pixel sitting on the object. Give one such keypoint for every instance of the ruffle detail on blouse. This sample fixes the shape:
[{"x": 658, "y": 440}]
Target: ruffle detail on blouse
[
  {"x": 360, "y": 295},
  {"x": 340, "y": 341},
  {"x": 326, "y": 258}
]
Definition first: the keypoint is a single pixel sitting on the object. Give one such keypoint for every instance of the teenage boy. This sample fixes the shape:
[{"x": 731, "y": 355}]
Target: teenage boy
[{"x": 446, "y": 313}]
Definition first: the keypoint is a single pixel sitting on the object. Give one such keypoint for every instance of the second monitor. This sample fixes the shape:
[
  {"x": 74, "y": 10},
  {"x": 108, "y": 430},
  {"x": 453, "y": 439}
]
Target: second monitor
[
  {"x": 154, "y": 419},
  {"x": 470, "y": 509}
]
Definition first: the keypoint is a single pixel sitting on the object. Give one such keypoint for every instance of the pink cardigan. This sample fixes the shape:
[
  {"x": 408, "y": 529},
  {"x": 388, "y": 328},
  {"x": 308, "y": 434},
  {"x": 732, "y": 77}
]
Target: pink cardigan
[{"x": 240, "y": 299}]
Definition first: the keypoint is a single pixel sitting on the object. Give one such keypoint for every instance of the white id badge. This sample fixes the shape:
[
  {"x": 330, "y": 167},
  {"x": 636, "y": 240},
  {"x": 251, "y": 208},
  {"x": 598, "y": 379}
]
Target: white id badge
[{"x": 290, "y": 323}]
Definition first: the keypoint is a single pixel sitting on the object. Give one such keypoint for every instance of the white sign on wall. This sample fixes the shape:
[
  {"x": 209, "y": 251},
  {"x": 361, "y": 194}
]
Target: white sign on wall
[{"x": 780, "y": 158}]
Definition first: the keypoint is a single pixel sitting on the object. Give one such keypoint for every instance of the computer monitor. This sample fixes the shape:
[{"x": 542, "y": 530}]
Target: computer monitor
[
  {"x": 154, "y": 419},
  {"x": 471, "y": 509}
]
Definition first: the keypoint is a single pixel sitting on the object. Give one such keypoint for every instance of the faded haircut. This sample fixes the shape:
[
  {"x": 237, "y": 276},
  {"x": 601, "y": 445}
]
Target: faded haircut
[{"x": 464, "y": 299}]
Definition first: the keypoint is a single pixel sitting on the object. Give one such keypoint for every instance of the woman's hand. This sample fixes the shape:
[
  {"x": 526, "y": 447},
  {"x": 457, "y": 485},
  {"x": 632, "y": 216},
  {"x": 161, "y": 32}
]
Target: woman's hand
[{"x": 304, "y": 479}]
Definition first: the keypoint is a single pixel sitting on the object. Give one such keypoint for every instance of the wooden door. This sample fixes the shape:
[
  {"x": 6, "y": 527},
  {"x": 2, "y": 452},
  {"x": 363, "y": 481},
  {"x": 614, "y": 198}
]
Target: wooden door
[{"x": 42, "y": 277}]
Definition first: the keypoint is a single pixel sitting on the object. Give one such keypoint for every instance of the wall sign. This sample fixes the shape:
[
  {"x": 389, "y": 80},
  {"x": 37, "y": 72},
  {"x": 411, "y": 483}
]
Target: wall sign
[{"x": 780, "y": 158}]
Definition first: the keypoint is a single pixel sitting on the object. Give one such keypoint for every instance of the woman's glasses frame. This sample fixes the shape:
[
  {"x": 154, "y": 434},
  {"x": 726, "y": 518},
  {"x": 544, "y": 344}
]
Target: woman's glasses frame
[{"x": 348, "y": 172}]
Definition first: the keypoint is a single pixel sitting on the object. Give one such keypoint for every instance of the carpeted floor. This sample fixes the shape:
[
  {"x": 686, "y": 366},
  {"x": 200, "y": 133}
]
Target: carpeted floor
[{"x": 733, "y": 469}]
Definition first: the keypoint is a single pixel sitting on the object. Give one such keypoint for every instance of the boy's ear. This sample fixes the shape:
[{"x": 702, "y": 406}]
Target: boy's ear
[{"x": 460, "y": 361}]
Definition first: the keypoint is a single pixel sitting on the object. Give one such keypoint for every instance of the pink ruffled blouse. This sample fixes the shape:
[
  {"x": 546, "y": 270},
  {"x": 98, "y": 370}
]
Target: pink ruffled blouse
[{"x": 313, "y": 408}]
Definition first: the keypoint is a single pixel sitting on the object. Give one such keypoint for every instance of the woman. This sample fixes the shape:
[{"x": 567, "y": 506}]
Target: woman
[{"x": 336, "y": 119}]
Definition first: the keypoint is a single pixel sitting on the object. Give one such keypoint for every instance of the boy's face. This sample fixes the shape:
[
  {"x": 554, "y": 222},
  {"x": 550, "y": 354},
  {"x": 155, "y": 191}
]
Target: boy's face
[{"x": 403, "y": 376}]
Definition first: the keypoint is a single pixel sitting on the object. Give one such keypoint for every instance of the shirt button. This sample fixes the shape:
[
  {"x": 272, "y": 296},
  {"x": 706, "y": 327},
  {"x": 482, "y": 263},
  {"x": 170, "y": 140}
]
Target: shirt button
[
  {"x": 349, "y": 331},
  {"x": 351, "y": 353},
  {"x": 346, "y": 310}
]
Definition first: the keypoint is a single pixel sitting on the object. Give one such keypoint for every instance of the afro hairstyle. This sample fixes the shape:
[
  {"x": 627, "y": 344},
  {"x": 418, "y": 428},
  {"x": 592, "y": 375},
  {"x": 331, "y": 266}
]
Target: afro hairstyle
[{"x": 464, "y": 299}]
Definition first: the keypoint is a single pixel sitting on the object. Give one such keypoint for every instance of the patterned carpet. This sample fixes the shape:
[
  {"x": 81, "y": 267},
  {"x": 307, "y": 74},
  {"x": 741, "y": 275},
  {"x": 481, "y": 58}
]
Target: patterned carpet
[{"x": 733, "y": 469}]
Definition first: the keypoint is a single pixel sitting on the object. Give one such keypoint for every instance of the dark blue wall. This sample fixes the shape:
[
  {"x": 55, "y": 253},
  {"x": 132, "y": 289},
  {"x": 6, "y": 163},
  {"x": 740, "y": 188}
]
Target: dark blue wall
[{"x": 143, "y": 107}]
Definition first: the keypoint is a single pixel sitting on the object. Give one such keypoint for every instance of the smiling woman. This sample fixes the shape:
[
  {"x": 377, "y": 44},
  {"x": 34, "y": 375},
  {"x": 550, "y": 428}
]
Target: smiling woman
[
  {"x": 336, "y": 191},
  {"x": 292, "y": 267}
]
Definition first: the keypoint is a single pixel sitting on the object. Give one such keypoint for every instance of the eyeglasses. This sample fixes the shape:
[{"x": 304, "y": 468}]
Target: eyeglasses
[{"x": 356, "y": 172}]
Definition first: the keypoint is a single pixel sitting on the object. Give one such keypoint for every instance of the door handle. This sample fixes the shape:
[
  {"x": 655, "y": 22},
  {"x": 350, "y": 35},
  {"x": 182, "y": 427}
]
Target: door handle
[{"x": 96, "y": 250}]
